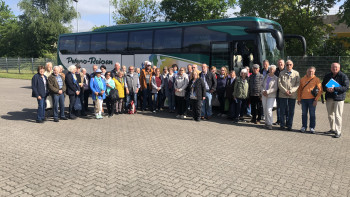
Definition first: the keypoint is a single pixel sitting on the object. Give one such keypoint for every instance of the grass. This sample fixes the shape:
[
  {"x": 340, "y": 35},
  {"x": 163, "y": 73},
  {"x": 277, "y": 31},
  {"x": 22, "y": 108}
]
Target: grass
[{"x": 25, "y": 76}]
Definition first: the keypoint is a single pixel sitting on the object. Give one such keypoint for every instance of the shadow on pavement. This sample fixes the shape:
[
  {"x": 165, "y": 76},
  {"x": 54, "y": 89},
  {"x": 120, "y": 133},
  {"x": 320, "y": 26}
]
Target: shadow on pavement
[{"x": 26, "y": 114}]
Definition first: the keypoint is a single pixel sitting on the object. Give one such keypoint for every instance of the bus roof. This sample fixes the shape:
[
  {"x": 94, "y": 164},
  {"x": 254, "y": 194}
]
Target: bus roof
[{"x": 155, "y": 25}]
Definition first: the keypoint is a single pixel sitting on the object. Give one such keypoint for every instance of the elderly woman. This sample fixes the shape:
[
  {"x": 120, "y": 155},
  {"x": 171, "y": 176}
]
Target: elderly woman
[
  {"x": 40, "y": 91},
  {"x": 269, "y": 92},
  {"x": 220, "y": 89},
  {"x": 157, "y": 84},
  {"x": 196, "y": 89},
  {"x": 119, "y": 81},
  {"x": 229, "y": 89},
  {"x": 48, "y": 69},
  {"x": 240, "y": 93},
  {"x": 73, "y": 89},
  {"x": 98, "y": 88},
  {"x": 110, "y": 84},
  {"x": 180, "y": 85}
]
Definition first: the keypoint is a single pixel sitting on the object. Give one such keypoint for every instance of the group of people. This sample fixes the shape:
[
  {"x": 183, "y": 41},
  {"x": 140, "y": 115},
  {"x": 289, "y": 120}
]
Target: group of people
[{"x": 191, "y": 91}]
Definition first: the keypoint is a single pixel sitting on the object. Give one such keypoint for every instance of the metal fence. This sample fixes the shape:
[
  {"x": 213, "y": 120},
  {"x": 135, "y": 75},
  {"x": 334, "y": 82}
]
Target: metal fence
[
  {"x": 22, "y": 65},
  {"x": 322, "y": 64}
]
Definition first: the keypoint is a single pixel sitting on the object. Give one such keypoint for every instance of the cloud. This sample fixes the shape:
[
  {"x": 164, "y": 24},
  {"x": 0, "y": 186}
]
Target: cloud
[
  {"x": 92, "y": 7},
  {"x": 84, "y": 25}
]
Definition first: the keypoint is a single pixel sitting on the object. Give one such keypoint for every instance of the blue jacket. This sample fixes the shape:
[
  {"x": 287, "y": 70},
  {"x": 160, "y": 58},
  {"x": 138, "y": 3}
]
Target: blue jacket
[
  {"x": 221, "y": 84},
  {"x": 95, "y": 88},
  {"x": 38, "y": 86}
]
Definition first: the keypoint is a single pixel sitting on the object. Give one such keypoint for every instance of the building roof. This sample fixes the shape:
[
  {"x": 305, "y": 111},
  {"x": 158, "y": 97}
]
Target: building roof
[{"x": 338, "y": 28}]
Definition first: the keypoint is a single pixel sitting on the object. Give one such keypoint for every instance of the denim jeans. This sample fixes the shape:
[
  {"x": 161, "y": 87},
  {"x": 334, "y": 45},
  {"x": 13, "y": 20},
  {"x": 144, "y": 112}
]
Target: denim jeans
[
  {"x": 287, "y": 103},
  {"x": 129, "y": 97},
  {"x": 307, "y": 106},
  {"x": 41, "y": 108},
  {"x": 147, "y": 98},
  {"x": 206, "y": 107},
  {"x": 171, "y": 101},
  {"x": 58, "y": 100},
  {"x": 157, "y": 98}
]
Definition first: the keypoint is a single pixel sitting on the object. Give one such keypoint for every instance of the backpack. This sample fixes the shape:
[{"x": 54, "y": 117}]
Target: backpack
[{"x": 132, "y": 109}]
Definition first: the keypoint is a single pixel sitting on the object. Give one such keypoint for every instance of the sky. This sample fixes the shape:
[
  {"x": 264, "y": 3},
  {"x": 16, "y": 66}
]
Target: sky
[{"x": 97, "y": 13}]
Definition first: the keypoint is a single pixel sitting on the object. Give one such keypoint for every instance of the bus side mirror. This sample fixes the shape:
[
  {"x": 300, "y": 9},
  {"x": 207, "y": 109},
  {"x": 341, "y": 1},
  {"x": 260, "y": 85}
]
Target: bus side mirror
[
  {"x": 277, "y": 35},
  {"x": 298, "y": 37}
]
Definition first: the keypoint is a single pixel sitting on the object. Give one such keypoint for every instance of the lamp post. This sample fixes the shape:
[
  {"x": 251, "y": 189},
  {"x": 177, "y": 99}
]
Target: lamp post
[{"x": 76, "y": 8}]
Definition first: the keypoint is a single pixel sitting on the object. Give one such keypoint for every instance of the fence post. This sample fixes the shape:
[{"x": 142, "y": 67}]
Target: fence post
[
  {"x": 339, "y": 59},
  {"x": 19, "y": 66},
  {"x": 7, "y": 66},
  {"x": 32, "y": 66}
]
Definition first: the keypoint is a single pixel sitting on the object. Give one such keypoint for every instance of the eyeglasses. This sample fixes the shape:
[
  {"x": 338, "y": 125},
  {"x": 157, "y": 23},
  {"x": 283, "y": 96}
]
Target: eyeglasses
[
  {"x": 131, "y": 69},
  {"x": 289, "y": 64}
]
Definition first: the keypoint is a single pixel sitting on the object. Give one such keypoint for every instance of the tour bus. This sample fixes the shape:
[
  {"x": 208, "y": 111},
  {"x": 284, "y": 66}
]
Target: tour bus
[{"x": 231, "y": 42}]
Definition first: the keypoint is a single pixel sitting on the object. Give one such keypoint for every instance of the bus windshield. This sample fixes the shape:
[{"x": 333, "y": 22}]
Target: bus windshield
[{"x": 269, "y": 48}]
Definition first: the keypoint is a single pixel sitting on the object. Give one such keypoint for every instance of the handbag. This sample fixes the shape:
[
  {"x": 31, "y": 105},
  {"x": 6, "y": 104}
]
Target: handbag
[
  {"x": 77, "y": 104},
  {"x": 113, "y": 94}
]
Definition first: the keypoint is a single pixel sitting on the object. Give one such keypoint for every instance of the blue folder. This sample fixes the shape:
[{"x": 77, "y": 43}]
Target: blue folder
[{"x": 332, "y": 84}]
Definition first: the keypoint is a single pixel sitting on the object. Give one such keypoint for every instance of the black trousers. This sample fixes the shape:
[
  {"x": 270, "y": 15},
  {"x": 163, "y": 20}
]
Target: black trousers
[
  {"x": 110, "y": 105},
  {"x": 180, "y": 105},
  {"x": 86, "y": 99},
  {"x": 256, "y": 105},
  {"x": 196, "y": 106},
  {"x": 72, "y": 99}
]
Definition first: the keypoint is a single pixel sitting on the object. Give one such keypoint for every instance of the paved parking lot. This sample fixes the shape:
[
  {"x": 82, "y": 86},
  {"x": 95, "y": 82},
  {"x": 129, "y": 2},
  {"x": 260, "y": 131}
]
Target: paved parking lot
[{"x": 157, "y": 155}]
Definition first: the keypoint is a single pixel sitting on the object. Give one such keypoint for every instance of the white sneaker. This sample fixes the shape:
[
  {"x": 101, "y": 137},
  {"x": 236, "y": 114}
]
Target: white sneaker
[
  {"x": 312, "y": 130},
  {"x": 178, "y": 116},
  {"x": 183, "y": 117},
  {"x": 303, "y": 129}
]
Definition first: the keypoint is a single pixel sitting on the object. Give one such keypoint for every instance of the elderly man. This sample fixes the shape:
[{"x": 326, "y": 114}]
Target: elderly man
[
  {"x": 255, "y": 81},
  {"x": 115, "y": 70},
  {"x": 265, "y": 70},
  {"x": 280, "y": 68},
  {"x": 132, "y": 86},
  {"x": 335, "y": 96},
  {"x": 308, "y": 100},
  {"x": 57, "y": 87},
  {"x": 145, "y": 81},
  {"x": 210, "y": 87},
  {"x": 87, "y": 90},
  {"x": 288, "y": 84},
  {"x": 94, "y": 68}
]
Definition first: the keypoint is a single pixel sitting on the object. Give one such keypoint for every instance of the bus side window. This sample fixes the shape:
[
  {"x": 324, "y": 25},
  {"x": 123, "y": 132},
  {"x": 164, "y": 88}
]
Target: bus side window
[
  {"x": 167, "y": 40},
  {"x": 67, "y": 44},
  {"x": 117, "y": 42},
  {"x": 83, "y": 44},
  {"x": 98, "y": 43}
]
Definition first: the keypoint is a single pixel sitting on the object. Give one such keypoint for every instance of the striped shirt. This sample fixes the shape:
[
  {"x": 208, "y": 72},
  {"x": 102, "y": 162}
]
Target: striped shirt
[{"x": 59, "y": 81}]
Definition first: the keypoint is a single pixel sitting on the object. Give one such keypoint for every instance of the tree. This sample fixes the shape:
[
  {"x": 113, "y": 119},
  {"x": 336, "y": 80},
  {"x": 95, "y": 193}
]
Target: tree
[
  {"x": 301, "y": 17},
  {"x": 195, "y": 10},
  {"x": 136, "y": 11},
  {"x": 344, "y": 13},
  {"x": 98, "y": 27},
  {"x": 9, "y": 31},
  {"x": 42, "y": 22}
]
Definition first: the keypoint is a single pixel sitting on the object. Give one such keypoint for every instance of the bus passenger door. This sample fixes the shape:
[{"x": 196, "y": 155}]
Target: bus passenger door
[{"x": 220, "y": 55}]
